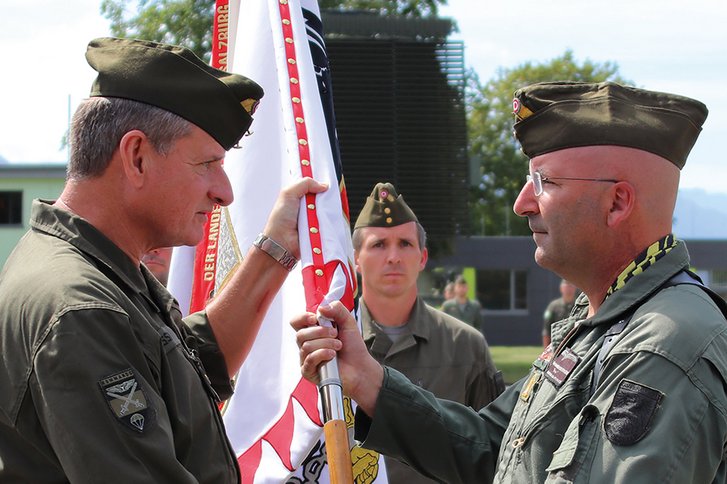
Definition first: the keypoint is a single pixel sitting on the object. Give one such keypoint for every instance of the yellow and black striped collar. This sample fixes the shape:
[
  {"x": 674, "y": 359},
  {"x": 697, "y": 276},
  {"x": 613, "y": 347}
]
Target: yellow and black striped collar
[{"x": 643, "y": 261}]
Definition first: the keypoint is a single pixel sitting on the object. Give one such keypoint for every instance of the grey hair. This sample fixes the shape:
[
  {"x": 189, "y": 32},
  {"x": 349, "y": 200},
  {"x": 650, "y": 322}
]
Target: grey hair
[
  {"x": 357, "y": 237},
  {"x": 99, "y": 123}
]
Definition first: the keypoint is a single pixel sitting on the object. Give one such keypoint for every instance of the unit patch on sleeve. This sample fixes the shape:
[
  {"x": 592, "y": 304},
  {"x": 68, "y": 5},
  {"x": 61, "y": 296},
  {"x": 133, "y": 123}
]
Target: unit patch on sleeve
[{"x": 127, "y": 400}]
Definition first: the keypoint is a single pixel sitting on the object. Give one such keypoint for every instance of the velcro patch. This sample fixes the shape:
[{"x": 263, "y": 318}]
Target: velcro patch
[
  {"x": 632, "y": 410},
  {"x": 127, "y": 400}
]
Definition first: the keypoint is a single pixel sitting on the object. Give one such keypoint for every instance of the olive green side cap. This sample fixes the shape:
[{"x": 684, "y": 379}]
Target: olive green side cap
[
  {"x": 552, "y": 116},
  {"x": 173, "y": 78},
  {"x": 384, "y": 208}
]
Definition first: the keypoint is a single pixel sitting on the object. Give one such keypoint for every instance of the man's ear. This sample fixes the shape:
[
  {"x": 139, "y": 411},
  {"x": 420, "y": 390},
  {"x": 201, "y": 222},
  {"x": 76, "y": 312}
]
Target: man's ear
[
  {"x": 623, "y": 200},
  {"x": 425, "y": 258},
  {"x": 133, "y": 151},
  {"x": 355, "y": 262}
]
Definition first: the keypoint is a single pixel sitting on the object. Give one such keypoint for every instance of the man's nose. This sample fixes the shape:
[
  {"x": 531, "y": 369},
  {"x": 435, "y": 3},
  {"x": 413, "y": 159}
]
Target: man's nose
[
  {"x": 221, "y": 191},
  {"x": 526, "y": 202}
]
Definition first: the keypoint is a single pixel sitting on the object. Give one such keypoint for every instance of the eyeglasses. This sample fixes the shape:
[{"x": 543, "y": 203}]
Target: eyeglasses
[{"x": 538, "y": 180}]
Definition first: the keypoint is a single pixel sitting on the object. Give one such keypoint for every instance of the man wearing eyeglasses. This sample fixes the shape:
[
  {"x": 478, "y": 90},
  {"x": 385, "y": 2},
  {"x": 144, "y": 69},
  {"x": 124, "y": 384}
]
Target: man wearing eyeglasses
[{"x": 633, "y": 387}]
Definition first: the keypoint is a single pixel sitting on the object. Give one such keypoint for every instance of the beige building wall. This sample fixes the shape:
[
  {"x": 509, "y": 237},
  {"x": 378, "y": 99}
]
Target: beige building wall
[{"x": 34, "y": 181}]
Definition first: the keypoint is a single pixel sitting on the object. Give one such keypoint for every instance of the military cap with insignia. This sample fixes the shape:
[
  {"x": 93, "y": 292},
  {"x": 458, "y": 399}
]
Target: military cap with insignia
[
  {"x": 173, "y": 78},
  {"x": 552, "y": 116},
  {"x": 384, "y": 208}
]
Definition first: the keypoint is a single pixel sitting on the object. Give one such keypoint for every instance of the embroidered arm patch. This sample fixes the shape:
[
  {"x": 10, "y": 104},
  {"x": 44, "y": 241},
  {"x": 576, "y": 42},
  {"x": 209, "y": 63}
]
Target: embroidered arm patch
[
  {"x": 127, "y": 400},
  {"x": 631, "y": 413}
]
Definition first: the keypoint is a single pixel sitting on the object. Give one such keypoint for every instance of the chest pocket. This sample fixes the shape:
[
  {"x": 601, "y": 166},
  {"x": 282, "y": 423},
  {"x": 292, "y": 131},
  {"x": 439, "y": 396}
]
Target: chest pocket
[{"x": 577, "y": 448}]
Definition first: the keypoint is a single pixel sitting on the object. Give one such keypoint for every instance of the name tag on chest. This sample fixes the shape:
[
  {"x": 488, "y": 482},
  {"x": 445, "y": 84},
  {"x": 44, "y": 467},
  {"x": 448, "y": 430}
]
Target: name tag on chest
[{"x": 561, "y": 366}]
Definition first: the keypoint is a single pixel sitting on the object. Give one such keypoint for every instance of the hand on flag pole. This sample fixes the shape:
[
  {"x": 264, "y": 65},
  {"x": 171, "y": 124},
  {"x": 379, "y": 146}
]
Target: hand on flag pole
[{"x": 274, "y": 419}]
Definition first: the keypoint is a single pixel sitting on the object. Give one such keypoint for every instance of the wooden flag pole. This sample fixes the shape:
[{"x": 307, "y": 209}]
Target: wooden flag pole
[{"x": 338, "y": 450}]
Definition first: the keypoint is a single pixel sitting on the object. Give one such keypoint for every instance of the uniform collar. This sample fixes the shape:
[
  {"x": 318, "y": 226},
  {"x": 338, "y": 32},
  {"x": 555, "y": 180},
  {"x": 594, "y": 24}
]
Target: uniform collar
[
  {"x": 78, "y": 232},
  {"x": 418, "y": 328},
  {"x": 640, "y": 287}
]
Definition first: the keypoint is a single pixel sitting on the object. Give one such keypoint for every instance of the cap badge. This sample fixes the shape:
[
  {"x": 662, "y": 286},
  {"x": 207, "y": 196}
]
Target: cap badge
[
  {"x": 520, "y": 110},
  {"x": 250, "y": 105}
]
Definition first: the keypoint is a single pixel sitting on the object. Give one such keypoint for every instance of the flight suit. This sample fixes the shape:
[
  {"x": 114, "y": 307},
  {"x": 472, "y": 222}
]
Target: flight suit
[{"x": 658, "y": 412}]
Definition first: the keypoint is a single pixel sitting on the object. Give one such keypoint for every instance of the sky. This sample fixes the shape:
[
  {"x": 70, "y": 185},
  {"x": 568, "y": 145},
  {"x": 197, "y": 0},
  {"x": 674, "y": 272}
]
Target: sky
[{"x": 664, "y": 45}]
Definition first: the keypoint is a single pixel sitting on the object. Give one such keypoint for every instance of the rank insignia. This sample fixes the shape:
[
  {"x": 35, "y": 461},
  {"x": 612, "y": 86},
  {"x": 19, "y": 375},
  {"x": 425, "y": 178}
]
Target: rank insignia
[
  {"x": 561, "y": 366},
  {"x": 127, "y": 400},
  {"x": 542, "y": 362}
]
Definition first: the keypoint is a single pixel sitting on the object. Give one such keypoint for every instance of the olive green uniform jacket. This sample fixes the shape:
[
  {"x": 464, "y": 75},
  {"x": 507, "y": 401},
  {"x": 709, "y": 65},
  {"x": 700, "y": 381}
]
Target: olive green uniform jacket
[
  {"x": 101, "y": 381},
  {"x": 658, "y": 413},
  {"x": 438, "y": 353}
]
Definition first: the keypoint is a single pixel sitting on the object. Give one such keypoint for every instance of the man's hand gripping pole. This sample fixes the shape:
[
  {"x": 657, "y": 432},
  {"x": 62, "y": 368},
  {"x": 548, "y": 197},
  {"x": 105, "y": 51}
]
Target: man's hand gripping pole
[{"x": 337, "y": 444}]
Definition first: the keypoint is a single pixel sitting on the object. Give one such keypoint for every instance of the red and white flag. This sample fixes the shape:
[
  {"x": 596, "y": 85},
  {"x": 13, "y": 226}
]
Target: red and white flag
[{"x": 274, "y": 418}]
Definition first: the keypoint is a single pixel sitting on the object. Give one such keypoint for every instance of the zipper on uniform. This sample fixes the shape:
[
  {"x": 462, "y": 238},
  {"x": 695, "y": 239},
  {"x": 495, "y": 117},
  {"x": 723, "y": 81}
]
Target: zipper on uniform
[{"x": 199, "y": 368}]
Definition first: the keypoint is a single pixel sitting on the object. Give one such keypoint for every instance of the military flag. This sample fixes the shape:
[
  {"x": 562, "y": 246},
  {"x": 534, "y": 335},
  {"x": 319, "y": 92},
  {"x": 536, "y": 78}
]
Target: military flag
[{"x": 274, "y": 419}]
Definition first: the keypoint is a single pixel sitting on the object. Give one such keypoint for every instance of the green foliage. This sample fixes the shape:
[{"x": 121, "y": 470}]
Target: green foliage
[
  {"x": 489, "y": 119},
  {"x": 180, "y": 22},
  {"x": 189, "y": 22},
  {"x": 412, "y": 8}
]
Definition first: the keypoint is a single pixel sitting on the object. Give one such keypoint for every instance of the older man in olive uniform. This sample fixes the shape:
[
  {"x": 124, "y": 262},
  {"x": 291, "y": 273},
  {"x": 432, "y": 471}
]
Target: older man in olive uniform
[
  {"x": 101, "y": 380},
  {"x": 633, "y": 387},
  {"x": 434, "y": 350}
]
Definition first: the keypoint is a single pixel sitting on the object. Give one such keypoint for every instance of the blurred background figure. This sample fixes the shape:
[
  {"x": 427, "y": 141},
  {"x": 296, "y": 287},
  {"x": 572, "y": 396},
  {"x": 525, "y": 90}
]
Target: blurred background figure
[
  {"x": 157, "y": 261},
  {"x": 448, "y": 292},
  {"x": 464, "y": 308},
  {"x": 559, "y": 308}
]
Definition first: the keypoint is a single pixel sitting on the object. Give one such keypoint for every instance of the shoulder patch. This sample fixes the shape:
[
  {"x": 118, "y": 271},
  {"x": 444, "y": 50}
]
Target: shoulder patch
[
  {"x": 631, "y": 413},
  {"x": 127, "y": 400}
]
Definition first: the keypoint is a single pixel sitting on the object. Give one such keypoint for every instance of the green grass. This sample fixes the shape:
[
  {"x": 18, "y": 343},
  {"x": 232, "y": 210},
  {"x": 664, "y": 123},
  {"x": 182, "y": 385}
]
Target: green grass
[{"x": 514, "y": 361}]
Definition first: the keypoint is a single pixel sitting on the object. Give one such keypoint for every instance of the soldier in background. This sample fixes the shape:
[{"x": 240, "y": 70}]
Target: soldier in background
[
  {"x": 464, "y": 308},
  {"x": 434, "y": 350},
  {"x": 158, "y": 261},
  {"x": 558, "y": 309}
]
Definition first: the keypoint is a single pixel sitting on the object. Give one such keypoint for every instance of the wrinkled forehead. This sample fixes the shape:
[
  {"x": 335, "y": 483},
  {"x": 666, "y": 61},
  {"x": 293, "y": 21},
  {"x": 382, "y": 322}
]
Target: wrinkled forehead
[{"x": 403, "y": 231}]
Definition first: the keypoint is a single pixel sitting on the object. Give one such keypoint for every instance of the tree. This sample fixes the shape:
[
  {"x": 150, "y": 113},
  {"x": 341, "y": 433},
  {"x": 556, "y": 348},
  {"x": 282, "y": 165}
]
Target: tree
[
  {"x": 180, "y": 22},
  {"x": 413, "y": 8},
  {"x": 189, "y": 22},
  {"x": 489, "y": 122}
]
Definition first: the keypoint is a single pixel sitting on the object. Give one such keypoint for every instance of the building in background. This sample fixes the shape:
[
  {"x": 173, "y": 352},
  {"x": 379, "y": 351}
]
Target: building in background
[
  {"x": 398, "y": 92},
  {"x": 400, "y": 116},
  {"x": 19, "y": 185}
]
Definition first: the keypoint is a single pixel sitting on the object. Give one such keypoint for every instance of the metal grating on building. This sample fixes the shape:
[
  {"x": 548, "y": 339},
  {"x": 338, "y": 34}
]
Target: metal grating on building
[{"x": 400, "y": 117}]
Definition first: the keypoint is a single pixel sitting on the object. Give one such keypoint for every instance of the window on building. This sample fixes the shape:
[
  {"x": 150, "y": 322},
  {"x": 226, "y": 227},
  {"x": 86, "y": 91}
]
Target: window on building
[
  {"x": 502, "y": 290},
  {"x": 11, "y": 208}
]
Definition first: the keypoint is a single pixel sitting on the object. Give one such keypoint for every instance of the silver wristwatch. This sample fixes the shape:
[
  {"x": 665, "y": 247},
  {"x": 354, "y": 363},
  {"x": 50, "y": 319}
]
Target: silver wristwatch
[{"x": 276, "y": 251}]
